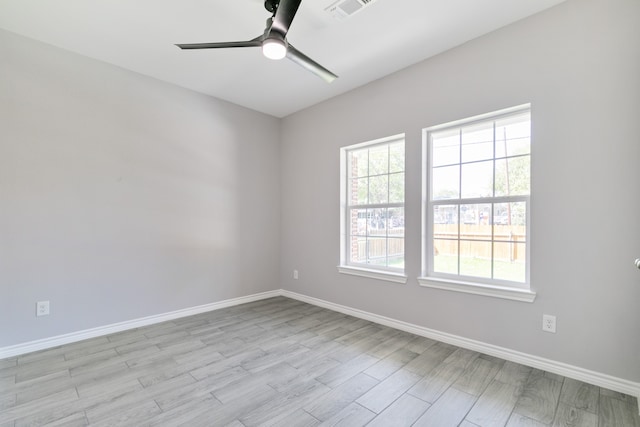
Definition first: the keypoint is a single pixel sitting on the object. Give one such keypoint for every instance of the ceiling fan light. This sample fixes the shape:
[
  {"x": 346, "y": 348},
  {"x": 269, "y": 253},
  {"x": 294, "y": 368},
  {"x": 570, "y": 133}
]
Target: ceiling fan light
[{"x": 274, "y": 48}]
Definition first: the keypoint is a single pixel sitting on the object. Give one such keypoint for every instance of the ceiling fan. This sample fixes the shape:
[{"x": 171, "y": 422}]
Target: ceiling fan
[{"x": 274, "y": 39}]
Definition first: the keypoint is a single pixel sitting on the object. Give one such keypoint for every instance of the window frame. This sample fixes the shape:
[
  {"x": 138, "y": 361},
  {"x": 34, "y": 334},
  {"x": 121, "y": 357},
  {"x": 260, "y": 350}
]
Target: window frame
[
  {"x": 519, "y": 291},
  {"x": 347, "y": 266}
]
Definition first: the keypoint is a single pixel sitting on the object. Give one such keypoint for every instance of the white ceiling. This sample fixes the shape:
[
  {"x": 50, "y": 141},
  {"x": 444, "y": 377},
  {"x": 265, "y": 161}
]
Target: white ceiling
[{"x": 139, "y": 35}]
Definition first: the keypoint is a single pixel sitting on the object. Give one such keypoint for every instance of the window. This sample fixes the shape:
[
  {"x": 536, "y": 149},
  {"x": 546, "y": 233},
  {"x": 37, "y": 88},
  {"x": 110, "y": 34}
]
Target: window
[
  {"x": 477, "y": 205},
  {"x": 372, "y": 209}
]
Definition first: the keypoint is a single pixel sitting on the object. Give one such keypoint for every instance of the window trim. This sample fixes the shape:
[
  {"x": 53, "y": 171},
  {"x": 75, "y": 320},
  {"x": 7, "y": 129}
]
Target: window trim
[
  {"x": 473, "y": 285},
  {"x": 477, "y": 288},
  {"x": 390, "y": 274}
]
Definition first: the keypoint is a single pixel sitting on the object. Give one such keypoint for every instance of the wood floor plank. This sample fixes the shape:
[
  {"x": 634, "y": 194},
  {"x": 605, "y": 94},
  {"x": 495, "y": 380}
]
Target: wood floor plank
[
  {"x": 198, "y": 390},
  {"x": 6, "y": 382},
  {"x": 438, "y": 380},
  {"x": 133, "y": 415},
  {"x": 494, "y": 406},
  {"x": 513, "y": 373},
  {"x": 274, "y": 356},
  {"x": 280, "y": 320},
  {"x": 113, "y": 374},
  {"x": 388, "y": 346},
  {"x": 225, "y": 363},
  {"x": 403, "y": 412},
  {"x": 198, "y": 358},
  {"x": 294, "y": 334},
  {"x": 387, "y": 391},
  {"x": 225, "y": 414},
  {"x": 238, "y": 388},
  {"x": 307, "y": 372},
  {"x": 8, "y": 363},
  {"x": 331, "y": 329},
  {"x": 108, "y": 385},
  {"x": 310, "y": 319},
  {"x": 299, "y": 418},
  {"x": 94, "y": 363},
  {"x": 617, "y": 412},
  {"x": 580, "y": 395},
  {"x": 46, "y": 409},
  {"x": 356, "y": 349},
  {"x": 166, "y": 353},
  {"x": 168, "y": 387},
  {"x": 341, "y": 373},
  {"x": 139, "y": 346},
  {"x": 616, "y": 395},
  {"x": 391, "y": 363},
  {"x": 34, "y": 370},
  {"x": 353, "y": 415},
  {"x": 125, "y": 337},
  {"x": 448, "y": 410},
  {"x": 224, "y": 344},
  {"x": 539, "y": 398},
  {"x": 327, "y": 349},
  {"x": 34, "y": 383},
  {"x": 517, "y": 420},
  {"x": 359, "y": 334},
  {"x": 340, "y": 397},
  {"x": 430, "y": 358},
  {"x": 42, "y": 389},
  {"x": 284, "y": 404},
  {"x": 51, "y": 355},
  {"x": 184, "y": 413},
  {"x": 477, "y": 376},
  {"x": 570, "y": 416},
  {"x": 555, "y": 377},
  {"x": 87, "y": 348},
  {"x": 353, "y": 323},
  {"x": 420, "y": 344},
  {"x": 7, "y": 385},
  {"x": 161, "y": 371},
  {"x": 123, "y": 403},
  {"x": 8, "y": 400},
  {"x": 77, "y": 419}
]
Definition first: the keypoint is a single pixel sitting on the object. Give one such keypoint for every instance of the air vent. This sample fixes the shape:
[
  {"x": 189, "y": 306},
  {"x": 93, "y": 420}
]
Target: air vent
[{"x": 344, "y": 8}]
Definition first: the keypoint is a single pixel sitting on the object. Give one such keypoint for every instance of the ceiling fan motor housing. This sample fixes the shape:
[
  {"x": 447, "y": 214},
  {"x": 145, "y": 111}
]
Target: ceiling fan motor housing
[{"x": 271, "y": 5}]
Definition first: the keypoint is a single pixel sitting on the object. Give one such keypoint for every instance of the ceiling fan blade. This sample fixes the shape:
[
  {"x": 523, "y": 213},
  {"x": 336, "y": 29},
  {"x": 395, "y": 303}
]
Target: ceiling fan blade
[
  {"x": 304, "y": 61},
  {"x": 284, "y": 16},
  {"x": 249, "y": 43}
]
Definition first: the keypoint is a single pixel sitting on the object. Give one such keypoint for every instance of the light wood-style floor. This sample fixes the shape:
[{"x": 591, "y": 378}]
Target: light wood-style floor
[{"x": 282, "y": 362}]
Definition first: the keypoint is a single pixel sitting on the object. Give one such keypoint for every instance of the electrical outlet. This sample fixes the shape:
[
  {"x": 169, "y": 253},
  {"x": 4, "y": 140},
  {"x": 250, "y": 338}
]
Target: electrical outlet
[
  {"x": 549, "y": 323},
  {"x": 295, "y": 274},
  {"x": 42, "y": 308}
]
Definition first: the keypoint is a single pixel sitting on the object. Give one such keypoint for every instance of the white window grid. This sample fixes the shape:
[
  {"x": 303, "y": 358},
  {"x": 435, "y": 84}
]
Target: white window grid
[
  {"x": 429, "y": 249},
  {"x": 352, "y": 211}
]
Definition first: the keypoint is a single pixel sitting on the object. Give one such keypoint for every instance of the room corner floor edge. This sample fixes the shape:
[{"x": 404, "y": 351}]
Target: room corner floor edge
[{"x": 598, "y": 379}]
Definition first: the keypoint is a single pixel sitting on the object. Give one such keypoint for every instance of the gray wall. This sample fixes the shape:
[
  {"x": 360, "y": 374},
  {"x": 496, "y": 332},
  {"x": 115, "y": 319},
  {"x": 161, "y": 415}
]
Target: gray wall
[
  {"x": 579, "y": 66},
  {"x": 123, "y": 197}
]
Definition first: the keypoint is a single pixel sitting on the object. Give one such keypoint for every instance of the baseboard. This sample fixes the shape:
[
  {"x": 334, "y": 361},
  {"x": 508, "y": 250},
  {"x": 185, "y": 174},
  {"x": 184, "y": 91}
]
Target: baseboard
[
  {"x": 601, "y": 380},
  {"x": 28, "y": 347}
]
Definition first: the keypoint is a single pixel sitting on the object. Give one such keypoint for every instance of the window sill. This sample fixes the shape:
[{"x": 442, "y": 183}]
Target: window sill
[
  {"x": 515, "y": 294},
  {"x": 373, "y": 274}
]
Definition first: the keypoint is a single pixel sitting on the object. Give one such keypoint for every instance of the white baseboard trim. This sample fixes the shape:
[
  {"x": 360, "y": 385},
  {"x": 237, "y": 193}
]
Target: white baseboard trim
[
  {"x": 601, "y": 380},
  {"x": 28, "y": 347}
]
